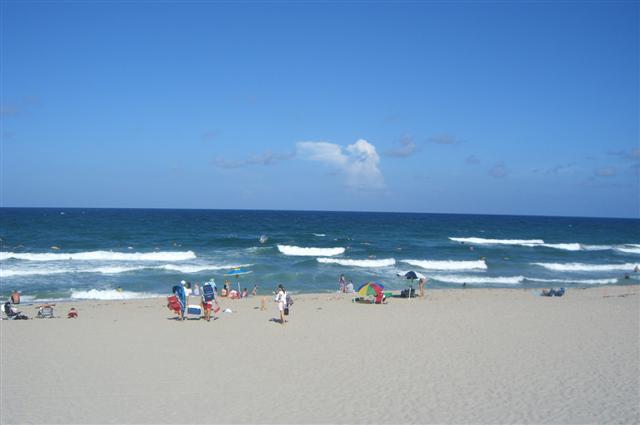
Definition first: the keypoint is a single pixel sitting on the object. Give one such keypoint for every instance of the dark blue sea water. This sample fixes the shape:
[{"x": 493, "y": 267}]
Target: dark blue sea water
[{"x": 89, "y": 253}]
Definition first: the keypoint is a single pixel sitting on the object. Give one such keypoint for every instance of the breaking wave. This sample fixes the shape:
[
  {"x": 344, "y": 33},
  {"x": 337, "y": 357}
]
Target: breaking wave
[
  {"x": 197, "y": 269},
  {"x": 578, "y": 281},
  {"x": 310, "y": 252},
  {"x": 359, "y": 263},
  {"x": 102, "y": 256},
  {"x": 110, "y": 294},
  {"x": 629, "y": 249},
  {"x": 533, "y": 243},
  {"x": 580, "y": 267},
  {"x": 447, "y": 264},
  {"x": 483, "y": 241},
  {"x": 480, "y": 280}
]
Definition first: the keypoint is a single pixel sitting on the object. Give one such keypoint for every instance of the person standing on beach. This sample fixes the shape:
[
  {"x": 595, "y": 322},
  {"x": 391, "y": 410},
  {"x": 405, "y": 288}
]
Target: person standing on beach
[
  {"x": 342, "y": 282},
  {"x": 421, "y": 283},
  {"x": 281, "y": 299}
]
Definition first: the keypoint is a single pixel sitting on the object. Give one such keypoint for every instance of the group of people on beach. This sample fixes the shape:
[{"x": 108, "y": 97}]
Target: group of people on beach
[{"x": 207, "y": 296}]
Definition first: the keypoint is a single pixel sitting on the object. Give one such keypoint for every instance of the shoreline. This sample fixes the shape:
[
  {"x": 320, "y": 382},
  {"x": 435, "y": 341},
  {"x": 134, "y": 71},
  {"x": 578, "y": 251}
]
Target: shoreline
[{"x": 479, "y": 355}]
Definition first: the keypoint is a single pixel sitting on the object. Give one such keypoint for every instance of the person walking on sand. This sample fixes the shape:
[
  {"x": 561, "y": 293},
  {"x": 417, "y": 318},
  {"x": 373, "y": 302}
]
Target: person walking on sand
[
  {"x": 421, "y": 283},
  {"x": 281, "y": 299}
]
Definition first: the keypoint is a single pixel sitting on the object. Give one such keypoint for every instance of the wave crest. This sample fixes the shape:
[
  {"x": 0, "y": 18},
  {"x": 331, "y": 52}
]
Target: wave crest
[
  {"x": 359, "y": 263},
  {"x": 102, "y": 256},
  {"x": 581, "y": 267},
  {"x": 110, "y": 294},
  {"x": 310, "y": 252},
  {"x": 447, "y": 264},
  {"x": 483, "y": 241},
  {"x": 480, "y": 280}
]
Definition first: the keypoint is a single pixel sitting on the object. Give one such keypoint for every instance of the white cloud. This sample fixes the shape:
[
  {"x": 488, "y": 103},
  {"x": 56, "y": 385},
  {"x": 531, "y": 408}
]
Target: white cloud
[{"x": 358, "y": 162}]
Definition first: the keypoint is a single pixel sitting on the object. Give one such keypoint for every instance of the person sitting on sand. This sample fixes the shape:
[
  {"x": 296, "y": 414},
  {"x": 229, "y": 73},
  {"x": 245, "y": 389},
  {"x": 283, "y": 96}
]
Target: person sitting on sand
[
  {"x": 349, "y": 288},
  {"x": 233, "y": 294},
  {"x": 552, "y": 292},
  {"x": 73, "y": 313},
  {"x": 245, "y": 293},
  {"x": 223, "y": 292},
  {"x": 15, "y": 297}
]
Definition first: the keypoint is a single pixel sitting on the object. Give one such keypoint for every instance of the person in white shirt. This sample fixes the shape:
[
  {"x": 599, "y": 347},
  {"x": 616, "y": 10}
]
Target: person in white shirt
[{"x": 281, "y": 299}]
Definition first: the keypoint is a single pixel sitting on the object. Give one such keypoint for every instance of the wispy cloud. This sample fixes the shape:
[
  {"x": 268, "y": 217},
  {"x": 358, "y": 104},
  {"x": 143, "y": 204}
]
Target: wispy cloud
[
  {"x": 557, "y": 169},
  {"x": 405, "y": 147},
  {"x": 472, "y": 160},
  {"x": 499, "y": 171},
  {"x": 357, "y": 162},
  {"x": 632, "y": 154},
  {"x": 444, "y": 139},
  {"x": 605, "y": 172},
  {"x": 267, "y": 158}
]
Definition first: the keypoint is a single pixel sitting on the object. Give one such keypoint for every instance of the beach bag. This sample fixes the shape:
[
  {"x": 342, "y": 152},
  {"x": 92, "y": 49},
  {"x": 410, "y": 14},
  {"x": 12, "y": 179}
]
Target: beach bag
[
  {"x": 286, "y": 311},
  {"x": 289, "y": 301},
  {"x": 208, "y": 293}
]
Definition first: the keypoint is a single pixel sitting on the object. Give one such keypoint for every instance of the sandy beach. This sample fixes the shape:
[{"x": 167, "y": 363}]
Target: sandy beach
[{"x": 458, "y": 356}]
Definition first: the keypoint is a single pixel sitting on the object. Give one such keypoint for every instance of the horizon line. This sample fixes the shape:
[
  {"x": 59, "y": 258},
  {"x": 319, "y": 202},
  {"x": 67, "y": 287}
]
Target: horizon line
[{"x": 324, "y": 211}]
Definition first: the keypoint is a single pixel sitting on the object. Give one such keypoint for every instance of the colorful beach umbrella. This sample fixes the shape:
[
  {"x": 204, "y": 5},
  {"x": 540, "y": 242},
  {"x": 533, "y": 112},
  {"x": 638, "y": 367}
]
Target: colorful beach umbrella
[
  {"x": 237, "y": 272},
  {"x": 370, "y": 288}
]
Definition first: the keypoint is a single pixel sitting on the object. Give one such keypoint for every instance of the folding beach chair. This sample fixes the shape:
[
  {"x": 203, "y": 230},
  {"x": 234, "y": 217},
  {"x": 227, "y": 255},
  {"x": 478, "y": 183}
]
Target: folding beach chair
[{"x": 45, "y": 311}]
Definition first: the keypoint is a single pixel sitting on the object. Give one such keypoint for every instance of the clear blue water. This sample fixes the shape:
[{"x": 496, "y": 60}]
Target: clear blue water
[{"x": 89, "y": 253}]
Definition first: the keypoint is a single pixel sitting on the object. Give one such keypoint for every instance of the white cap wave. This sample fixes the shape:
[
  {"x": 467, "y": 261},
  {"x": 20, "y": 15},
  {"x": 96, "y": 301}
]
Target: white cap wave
[
  {"x": 386, "y": 262},
  {"x": 310, "y": 251},
  {"x": 102, "y": 256},
  {"x": 447, "y": 264}
]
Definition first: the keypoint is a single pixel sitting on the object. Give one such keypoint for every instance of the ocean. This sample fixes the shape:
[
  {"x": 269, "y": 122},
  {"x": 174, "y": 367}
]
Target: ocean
[{"x": 69, "y": 253}]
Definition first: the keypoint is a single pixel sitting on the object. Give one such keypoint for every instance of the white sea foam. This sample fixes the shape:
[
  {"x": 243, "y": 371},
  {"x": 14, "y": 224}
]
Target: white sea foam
[
  {"x": 197, "y": 269},
  {"x": 4, "y": 273},
  {"x": 581, "y": 267},
  {"x": 596, "y": 247},
  {"x": 102, "y": 256},
  {"x": 533, "y": 243},
  {"x": 313, "y": 252},
  {"x": 110, "y": 294},
  {"x": 629, "y": 249},
  {"x": 447, "y": 264},
  {"x": 483, "y": 241},
  {"x": 578, "y": 281},
  {"x": 480, "y": 280},
  {"x": 386, "y": 262},
  {"x": 563, "y": 246},
  {"x": 320, "y": 235},
  {"x": 110, "y": 270}
]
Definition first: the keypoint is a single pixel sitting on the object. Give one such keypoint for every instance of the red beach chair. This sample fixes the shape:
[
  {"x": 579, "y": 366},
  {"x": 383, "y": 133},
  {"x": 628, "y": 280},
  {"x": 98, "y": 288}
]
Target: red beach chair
[{"x": 174, "y": 304}]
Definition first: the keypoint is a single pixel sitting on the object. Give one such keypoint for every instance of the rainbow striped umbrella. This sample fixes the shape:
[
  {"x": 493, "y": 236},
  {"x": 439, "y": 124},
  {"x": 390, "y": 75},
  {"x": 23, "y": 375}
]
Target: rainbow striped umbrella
[{"x": 370, "y": 288}]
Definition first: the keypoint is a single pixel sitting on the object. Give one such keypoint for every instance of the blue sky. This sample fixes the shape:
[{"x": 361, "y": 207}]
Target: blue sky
[{"x": 499, "y": 108}]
